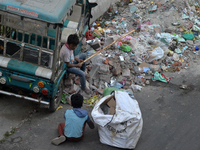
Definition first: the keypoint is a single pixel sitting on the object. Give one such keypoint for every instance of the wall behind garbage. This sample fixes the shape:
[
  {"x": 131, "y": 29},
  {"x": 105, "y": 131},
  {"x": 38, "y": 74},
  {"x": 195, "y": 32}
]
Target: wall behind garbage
[{"x": 102, "y": 7}]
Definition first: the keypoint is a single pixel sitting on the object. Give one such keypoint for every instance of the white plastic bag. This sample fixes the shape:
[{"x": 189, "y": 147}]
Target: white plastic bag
[
  {"x": 123, "y": 129},
  {"x": 157, "y": 53}
]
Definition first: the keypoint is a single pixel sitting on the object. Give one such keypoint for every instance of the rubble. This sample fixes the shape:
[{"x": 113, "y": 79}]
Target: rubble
[{"x": 166, "y": 39}]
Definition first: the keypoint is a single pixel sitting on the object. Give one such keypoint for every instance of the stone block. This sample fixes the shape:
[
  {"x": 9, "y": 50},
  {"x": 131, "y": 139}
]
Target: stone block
[
  {"x": 105, "y": 77},
  {"x": 68, "y": 82},
  {"x": 77, "y": 81},
  {"x": 154, "y": 68},
  {"x": 104, "y": 68},
  {"x": 117, "y": 70},
  {"x": 126, "y": 72},
  {"x": 94, "y": 72},
  {"x": 74, "y": 89}
]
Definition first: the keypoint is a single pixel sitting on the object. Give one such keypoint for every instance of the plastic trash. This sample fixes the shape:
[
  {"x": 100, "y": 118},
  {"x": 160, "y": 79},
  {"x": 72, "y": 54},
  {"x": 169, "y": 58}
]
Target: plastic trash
[
  {"x": 195, "y": 28},
  {"x": 124, "y": 24},
  {"x": 92, "y": 101},
  {"x": 171, "y": 52},
  {"x": 112, "y": 81},
  {"x": 157, "y": 53},
  {"x": 133, "y": 9},
  {"x": 125, "y": 48},
  {"x": 166, "y": 36},
  {"x": 196, "y": 48},
  {"x": 153, "y": 9},
  {"x": 176, "y": 57},
  {"x": 88, "y": 53},
  {"x": 175, "y": 23},
  {"x": 109, "y": 90},
  {"x": 136, "y": 87},
  {"x": 98, "y": 60},
  {"x": 161, "y": 77},
  {"x": 188, "y": 36},
  {"x": 145, "y": 69},
  {"x": 184, "y": 48},
  {"x": 185, "y": 87},
  {"x": 177, "y": 50},
  {"x": 184, "y": 16},
  {"x": 118, "y": 85}
]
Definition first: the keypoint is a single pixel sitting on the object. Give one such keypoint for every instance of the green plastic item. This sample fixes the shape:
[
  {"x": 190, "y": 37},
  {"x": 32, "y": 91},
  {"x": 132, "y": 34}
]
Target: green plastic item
[
  {"x": 64, "y": 100},
  {"x": 188, "y": 36},
  {"x": 158, "y": 76},
  {"x": 125, "y": 48},
  {"x": 95, "y": 34},
  {"x": 109, "y": 90}
]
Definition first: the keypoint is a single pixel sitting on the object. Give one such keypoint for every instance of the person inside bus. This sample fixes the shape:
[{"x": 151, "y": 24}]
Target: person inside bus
[{"x": 74, "y": 65}]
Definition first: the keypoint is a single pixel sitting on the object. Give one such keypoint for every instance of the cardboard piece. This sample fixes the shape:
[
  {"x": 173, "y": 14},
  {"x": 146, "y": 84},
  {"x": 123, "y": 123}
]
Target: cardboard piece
[
  {"x": 112, "y": 111},
  {"x": 111, "y": 104},
  {"x": 143, "y": 64}
]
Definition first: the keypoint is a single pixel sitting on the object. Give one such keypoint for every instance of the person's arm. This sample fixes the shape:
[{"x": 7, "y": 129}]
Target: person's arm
[
  {"x": 73, "y": 65},
  {"x": 78, "y": 60},
  {"x": 90, "y": 124}
]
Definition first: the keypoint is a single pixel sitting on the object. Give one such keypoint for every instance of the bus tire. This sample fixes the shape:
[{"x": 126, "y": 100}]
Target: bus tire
[{"x": 55, "y": 101}]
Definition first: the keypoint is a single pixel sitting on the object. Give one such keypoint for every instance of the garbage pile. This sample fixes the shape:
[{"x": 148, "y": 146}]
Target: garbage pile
[{"x": 166, "y": 39}]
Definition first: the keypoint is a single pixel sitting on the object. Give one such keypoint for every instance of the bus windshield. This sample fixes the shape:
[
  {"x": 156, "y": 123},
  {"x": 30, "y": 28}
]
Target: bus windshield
[{"x": 26, "y": 40}]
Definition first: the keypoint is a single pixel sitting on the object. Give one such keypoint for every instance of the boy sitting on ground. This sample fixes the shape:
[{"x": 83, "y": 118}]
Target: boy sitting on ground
[{"x": 75, "y": 121}]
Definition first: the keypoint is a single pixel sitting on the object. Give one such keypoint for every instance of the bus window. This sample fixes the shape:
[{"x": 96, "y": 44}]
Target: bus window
[
  {"x": 13, "y": 50},
  {"x": 8, "y": 32},
  {"x": 39, "y": 40},
  {"x": 26, "y": 37},
  {"x": 1, "y": 46},
  {"x": 1, "y": 30},
  {"x": 32, "y": 39},
  {"x": 52, "y": 44},
  {"x": 46, "y": 59},
  {"x": 20, "y": 36},
  {"x": 44, "y": 44},
  {"x": 31, "y": 55}
]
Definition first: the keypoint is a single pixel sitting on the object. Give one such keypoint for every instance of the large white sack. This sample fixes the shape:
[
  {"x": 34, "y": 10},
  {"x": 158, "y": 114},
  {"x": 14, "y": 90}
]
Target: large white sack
[{"x": 123, "y": 129}]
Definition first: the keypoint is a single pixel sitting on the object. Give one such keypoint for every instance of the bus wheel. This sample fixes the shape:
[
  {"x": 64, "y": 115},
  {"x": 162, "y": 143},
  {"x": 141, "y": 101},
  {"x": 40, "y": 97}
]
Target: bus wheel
[{"x": 55, "y": 101}]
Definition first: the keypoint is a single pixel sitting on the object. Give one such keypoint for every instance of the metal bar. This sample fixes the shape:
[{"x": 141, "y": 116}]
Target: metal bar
[
  {"x": 5, "y": 40},
  {"x": 24, "y": 97},
  {"x": 22, "y": 51},
  {"x": 35, "y": 39},
  {"x": 40, "y": 56},
  {"x": 4, "y": 48},
  {"x": 41, "y": 42},
  {"x": 29, "y": 38},
  {"x": 16, "y": 35},
  {"x": 38, "y": 47},
  {"x": 48, "y": 42},
  {"x": 23, "y": 36},
  {"x": 55, "y": 54}
]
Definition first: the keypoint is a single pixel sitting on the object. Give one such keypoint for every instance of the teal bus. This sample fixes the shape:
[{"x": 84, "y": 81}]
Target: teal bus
[{"x": 31, "y": 35}]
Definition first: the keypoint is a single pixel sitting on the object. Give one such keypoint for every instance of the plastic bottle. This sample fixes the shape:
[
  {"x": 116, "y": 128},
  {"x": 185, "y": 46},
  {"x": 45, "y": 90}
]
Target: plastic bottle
[
  {"x": 88, "y": 53},
  {"x": 124, "y": 24}
]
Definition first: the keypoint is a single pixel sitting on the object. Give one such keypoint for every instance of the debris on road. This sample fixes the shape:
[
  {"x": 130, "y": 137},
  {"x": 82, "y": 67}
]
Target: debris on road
[{"x": 166, "y": 39}]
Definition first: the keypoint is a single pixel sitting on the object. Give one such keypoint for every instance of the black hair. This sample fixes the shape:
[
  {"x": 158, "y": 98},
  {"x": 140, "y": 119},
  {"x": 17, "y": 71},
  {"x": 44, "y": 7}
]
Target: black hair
[
  {"x": 77, "y": 100},
  {"x": 73, "y": 39}
]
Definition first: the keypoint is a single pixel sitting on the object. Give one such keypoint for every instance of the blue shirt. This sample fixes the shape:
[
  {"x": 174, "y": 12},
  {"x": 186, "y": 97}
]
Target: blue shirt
[{"x": 75, "y": 119}]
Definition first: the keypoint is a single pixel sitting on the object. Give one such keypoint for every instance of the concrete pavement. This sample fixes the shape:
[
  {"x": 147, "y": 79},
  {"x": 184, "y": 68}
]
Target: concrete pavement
[{"x": 170, "y": 117}]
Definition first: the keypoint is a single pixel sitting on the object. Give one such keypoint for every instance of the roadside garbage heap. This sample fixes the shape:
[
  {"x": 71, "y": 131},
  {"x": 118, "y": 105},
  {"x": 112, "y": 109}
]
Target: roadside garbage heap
[{"x": 166, "y": 39}]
